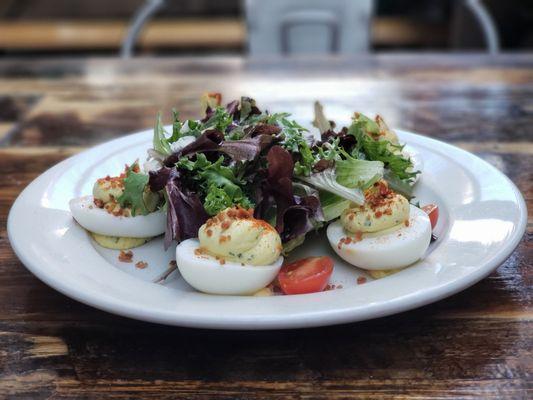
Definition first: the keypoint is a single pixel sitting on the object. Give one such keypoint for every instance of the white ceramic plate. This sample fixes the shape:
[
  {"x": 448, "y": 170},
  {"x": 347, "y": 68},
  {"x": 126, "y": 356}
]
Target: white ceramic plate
[{"x": 482, "y": 218}]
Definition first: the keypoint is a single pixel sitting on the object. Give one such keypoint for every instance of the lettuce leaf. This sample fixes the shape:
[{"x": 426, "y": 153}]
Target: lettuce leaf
[
  {"x": 134, "y": 185},
  {"x": 332, "y": 205},
  {"x": 354, "y": 173},
  {"x": 327, "y": 180},
  {"x": 160, "y": 142},
  {"x": 176, "y": 127},
  {"x": 292, "y": 214},
  {"x": 217, "y": 182},
  {"x": 185, "y": 212},
  {"x": 398, "y": 185},
  {"x": 320, "y": 121},
  {"x": 362, "y": 129},
  {"x": 216, "y": 200}
]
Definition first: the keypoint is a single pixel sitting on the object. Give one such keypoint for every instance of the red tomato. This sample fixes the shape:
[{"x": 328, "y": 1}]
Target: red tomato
[
  {"x": 432, "y": 210},
  {"x": 308, "y": 275}
]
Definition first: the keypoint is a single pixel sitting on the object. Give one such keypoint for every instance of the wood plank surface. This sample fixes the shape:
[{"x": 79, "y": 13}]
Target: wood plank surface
[
  {"x": 475, "y": 344},
  {"x": 185, "y": 33}
]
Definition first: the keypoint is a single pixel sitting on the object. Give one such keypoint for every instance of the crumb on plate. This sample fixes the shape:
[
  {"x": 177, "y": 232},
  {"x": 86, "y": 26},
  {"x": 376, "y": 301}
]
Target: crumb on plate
[{"x": 125, "y": 256}]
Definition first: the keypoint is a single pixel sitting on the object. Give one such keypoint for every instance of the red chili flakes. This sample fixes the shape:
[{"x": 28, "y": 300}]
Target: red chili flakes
[
  {"x": 351, "y": 216},
  {"x": 388, "y": 211},
  {"x": 125, "y": 256},
  {"x": 98, "y": 203},
  {"x": 141, "y": 265},
  {"x": 358, "y": 236},
  {"x": 406, "y": 222},
  {"x": 209, "y": 232},
  {"x": 221, "y": 260},
  {"x": 361, "y": 280},
  {"x": 378, "y": 214}
]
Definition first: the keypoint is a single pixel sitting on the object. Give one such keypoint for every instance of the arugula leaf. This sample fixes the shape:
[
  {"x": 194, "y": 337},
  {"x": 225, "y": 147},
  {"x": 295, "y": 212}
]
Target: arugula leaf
[
  {"x": 295, "y": 141},
  {"x": 176, "y": 127},
  {"x": 192, "y": 127},
  {"x": 220, "y": 120},
  {"x": 160, "y": 142},
  {"x": 330, "y": 150},
  {"x": 199, "y": 164},
  {"x": 133, "y": 195}
]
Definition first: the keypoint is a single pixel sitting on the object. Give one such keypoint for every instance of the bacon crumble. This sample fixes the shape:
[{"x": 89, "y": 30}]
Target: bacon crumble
[
  {"x": 125, "y": 256},
  {"x": 98, "y": 203},
  {"x": 358, "y": 236}
]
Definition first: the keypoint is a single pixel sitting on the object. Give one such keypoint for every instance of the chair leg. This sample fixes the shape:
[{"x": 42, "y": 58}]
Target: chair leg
[
  {"x": 143, "y": 14},
  {"x": 488, "y": 26}
]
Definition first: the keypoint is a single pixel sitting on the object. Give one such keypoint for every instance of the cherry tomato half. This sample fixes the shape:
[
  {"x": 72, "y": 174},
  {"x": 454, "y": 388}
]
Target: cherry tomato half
[
  {"x": 432, "y": 210},
  {"x": 308, "y": 275}
]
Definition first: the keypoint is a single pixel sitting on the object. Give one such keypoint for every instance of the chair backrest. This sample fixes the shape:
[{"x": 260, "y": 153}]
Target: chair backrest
[{"x": 308, "y": 26}]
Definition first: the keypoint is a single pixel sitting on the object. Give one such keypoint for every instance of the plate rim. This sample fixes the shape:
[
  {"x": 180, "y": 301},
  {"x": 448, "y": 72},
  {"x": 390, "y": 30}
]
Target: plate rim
[{"x": 312, "y": 319}]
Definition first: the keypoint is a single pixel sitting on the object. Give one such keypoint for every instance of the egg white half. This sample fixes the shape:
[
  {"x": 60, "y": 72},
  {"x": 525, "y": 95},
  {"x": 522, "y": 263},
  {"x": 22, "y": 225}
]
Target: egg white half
[
  {"x": 206, "y": 274},
  {"x": 99, "y": 221},
  {"x": 389, "y": 249}
]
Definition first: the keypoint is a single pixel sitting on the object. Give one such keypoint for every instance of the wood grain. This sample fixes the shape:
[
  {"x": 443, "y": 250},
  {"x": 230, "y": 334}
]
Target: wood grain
[
  {"x": 476, "y": 344},
  {"x": 220, "y": 33}
]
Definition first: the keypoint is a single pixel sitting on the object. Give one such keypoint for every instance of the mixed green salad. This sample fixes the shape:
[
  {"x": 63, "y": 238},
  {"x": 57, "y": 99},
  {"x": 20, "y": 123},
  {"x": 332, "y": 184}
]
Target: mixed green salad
[{"x": 295, "y": 180}]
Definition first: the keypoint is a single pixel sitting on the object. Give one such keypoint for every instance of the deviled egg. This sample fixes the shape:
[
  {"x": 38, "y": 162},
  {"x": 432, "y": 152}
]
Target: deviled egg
[
  {"x": 385, "y": 233},
  {"x": 235, "y": 254},
  {"x": 116, "y": 223}
]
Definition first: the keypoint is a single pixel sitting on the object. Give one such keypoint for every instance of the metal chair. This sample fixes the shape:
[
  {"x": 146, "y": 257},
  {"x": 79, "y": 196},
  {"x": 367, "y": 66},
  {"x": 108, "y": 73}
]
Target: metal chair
[
  {"x": 490, "y": 33},
  {"x": 143, "y": 14},
  {"x": 307, "y": 26}
]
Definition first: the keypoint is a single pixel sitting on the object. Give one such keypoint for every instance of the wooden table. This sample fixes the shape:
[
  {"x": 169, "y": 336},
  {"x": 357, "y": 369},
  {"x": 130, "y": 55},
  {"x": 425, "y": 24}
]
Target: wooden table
[{"x": 477, "y": 343}]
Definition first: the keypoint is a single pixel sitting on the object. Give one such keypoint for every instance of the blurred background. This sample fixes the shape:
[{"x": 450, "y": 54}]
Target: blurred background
[{"x": 55, "y": 28}]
